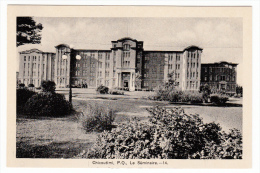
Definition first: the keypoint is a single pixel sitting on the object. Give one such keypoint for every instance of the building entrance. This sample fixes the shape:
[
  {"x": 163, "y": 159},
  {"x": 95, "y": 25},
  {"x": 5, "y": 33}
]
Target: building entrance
[{"x": 126, "y": 83}]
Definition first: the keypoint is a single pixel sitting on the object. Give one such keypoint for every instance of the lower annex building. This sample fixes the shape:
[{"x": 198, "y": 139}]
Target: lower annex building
[
  {"x": 126, "y": 65},
  {"x": 220, "y": 76}
]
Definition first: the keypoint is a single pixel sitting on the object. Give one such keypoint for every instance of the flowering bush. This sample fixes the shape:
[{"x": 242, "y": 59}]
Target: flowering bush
[
  {"x": 169, "y": 134},
  {"x": 97, "y": 118}
]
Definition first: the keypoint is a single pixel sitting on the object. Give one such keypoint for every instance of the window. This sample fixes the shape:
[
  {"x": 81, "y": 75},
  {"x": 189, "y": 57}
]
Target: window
[
  {"x": 107, "y": 65},
  {"x": 188, "y": 64},
  {"x": 100, "y": 64},
  {"x": 178, "y": 66},
  {"x": 126, "y": 46},
  {"x": 188, "y": 75},
  {"x": 170, "y": 66},
  {"x": 100, "y": 56},
  {"x": 177, "y": 57},
  {"x": 193, "y": 74},
  {"x": 210, "y": 77},
  {"x": 92, "y": 55},
  {"x": 223, "y": 78},
  {"x": 178, "y": 75},
  {"x": 205, "y": 69},
  {"x": 107, "y": 56},
  {"x": 29, "y": 58},
  {"x": 205, "y": 78},
  {"x": 24, "y": 58},
  {"x": 197, "y": 75},
  {"x": 107, "y": 73},
  {"x": 210, "y": 69}
]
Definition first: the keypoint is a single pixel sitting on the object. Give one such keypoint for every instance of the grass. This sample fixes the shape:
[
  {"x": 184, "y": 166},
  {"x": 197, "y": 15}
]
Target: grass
[{"x": 64, "y": 138}]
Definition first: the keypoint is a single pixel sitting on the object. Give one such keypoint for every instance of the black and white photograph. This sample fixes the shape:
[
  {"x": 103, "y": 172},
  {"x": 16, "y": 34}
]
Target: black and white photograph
[{"x": 113, "y": 89}]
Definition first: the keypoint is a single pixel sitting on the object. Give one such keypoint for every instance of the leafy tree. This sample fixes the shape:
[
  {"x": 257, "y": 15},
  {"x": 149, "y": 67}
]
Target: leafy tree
[
  {"x": 170, "y": 80},
  {"x": 206, "y": 91},
  {"x": 138, "y": 80},
  {"x": 27, "y": 31},
  {"x": 239, "y": 90}
]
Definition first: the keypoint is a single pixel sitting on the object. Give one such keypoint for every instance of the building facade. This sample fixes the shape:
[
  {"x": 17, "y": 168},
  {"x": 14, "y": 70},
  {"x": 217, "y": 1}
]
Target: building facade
[
  {"x": 125, "y": 65},
  {"x": 36, "y": 66},
  {"x": 221, "y": 76}
]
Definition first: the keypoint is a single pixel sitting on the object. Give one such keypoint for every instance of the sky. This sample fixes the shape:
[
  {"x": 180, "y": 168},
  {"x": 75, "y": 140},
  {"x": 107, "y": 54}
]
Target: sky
[{"x": 220, "y": 38}]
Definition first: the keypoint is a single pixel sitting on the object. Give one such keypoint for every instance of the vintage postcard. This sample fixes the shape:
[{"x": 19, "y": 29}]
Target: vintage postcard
[{"x": 129, "y": 87}]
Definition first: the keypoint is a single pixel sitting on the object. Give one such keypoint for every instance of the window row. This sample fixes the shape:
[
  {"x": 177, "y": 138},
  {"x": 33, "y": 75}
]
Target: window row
[
  {"x": 193, "y": 54},
  {"x": 192, "y": 85},
  {"x": 126, "y": 54},
  {"x": 192, "y": 75},
  {"x": 126, "y": 46},
  {"x": 192, "y": 65},
  {"x": 126, "y": 63},
  {"x": 220, "y": 78}
]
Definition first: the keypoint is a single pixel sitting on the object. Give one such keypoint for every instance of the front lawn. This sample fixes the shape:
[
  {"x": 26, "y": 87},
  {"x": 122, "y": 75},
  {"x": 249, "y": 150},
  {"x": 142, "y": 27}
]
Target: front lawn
[{"x": 64, "y": 138}]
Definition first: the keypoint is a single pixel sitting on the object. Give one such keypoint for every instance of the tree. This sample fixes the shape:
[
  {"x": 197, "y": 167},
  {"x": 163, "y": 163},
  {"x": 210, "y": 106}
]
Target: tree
[
  {"x": 138, "y": 80},
  {"x": 170, "y": 80},
  {"x": 239, "y": 90},
  {"x": 27, "y": 31},
  {"x": 206, "y": 91}
]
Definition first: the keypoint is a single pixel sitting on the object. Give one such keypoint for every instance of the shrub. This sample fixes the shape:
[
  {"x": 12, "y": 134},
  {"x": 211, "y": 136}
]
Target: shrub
[
  {"x": 31, "y": 85},
  {"x": 172, "y": 94},
  {"x": 102, "y": 89},
  {"x": 116, "y": 92},
  {"x": 22, "y": 95},
  {"x": 218, "y": 99},
  {"x": 169, "y": 134},
  {"x": 97, "y": 118},
  {"x": 47, "y": 104},
  {"x": 21, "y": 85},
  {"x": 48, "y": 86}
]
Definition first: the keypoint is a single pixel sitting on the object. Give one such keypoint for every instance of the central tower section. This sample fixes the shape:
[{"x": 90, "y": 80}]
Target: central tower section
[{"x": 125, "y": 53}]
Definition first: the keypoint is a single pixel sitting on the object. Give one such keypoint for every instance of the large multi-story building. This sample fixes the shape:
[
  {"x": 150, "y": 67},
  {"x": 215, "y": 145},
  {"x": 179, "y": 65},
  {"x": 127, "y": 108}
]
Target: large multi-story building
[
  {"x": 126, "y": 64},
  {"x": 36, "y": 66},
  {"x": 221, "y": 76}
]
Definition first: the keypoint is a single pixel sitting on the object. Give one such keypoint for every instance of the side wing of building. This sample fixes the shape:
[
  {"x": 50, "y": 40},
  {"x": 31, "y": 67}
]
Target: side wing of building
[{"x": 35, "y": 66}]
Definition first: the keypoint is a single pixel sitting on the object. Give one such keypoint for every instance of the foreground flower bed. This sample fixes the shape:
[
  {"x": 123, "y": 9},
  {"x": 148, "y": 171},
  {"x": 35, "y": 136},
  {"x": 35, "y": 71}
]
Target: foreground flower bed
[{"x": 169, "y": 134}]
